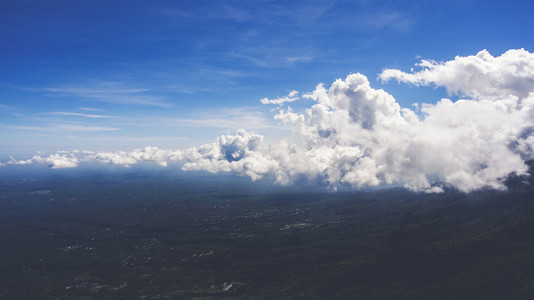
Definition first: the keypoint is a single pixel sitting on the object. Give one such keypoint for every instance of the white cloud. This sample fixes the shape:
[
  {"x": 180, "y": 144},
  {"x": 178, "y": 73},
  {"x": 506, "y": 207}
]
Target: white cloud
[
  {"x": 292, "y": 96},
  {"x": 382, "y": 20},
  {"x": 111, "y": 92},
  {"x": 74, "y": 114},
  {"x": 223, "y": 119},
  {"x": 54, "y": 161},
  {"x": 64, "y": 128},
  {"x": 360, "y": 136},
  {"x": 244, "y": 153},
  {"x": 299, "y": 58},
  {"x": 90, "y": 109},
  {"x": 68, "y": 159},
  {"x": 479, "y": 76},
  {"x": 154, "y": 154}
]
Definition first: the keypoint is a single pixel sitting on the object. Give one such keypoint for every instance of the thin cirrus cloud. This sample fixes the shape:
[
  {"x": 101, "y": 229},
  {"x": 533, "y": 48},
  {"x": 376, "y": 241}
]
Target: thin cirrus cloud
[
  {"x": 353, "y": 134},
  {"x": 222, "y": 119},
  {"x": 222, "y": 123},
  {"x": 75, "y": 114},
  {"x": 90, "y": 109},
  {"x": 64, "y": 128},
  {"x": 110, "y": 92},
  {"x": 382, "y": 20}
]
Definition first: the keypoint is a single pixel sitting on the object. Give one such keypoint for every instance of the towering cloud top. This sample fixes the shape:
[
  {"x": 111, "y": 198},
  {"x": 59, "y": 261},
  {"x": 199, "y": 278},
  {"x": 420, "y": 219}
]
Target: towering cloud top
[{"x": 355, "y": 135}]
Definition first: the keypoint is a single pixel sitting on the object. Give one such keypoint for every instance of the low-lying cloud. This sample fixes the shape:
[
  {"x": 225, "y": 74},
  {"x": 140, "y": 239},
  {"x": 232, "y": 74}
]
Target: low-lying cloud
[{"x": 353, "y": 134}]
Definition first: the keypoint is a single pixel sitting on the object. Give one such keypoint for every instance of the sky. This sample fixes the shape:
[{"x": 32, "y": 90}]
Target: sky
[{"x": 109, "y": 77}]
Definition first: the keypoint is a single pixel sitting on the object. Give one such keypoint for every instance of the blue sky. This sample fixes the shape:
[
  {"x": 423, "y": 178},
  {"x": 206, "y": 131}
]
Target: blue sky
[{"x": 108, "y": 75}]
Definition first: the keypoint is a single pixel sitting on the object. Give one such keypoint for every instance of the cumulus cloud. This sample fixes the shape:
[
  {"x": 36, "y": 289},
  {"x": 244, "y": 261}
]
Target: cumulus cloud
[
  {"x": 244, "y": 153},
  {"x": 55, "y": 161},
  {"x": 478, "y": 76},
  {"x": 69, "y": 159},
  {"x": 356, "y": 135},
  {"x": 360, "y": 136},
  {"x": 152, "y": 154}
]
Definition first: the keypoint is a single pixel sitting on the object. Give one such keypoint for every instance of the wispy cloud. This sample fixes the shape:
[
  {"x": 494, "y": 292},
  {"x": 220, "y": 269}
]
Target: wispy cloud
[
  {"x": 6, "y": 107},
  {"x": 279, "y": 35},
  {"x": 299, "y": 58},
  {"x": 301, "y": 13},
  {"x": 141, "y": 138},
  {"x": 75, "y": 114},
  {"x": 111, "y": 92},
  {"x": 232, "y": 123},
  {"x": 275, "y": 55},
  {"x": 90, "y": 109},
  {"x": 235, "y": 123},
  {"x": 381, "y": 20},
  {"x": 223, "y": 119},
  {"x": 63, "y": 128},
  {"x": 292, "y": 96}
]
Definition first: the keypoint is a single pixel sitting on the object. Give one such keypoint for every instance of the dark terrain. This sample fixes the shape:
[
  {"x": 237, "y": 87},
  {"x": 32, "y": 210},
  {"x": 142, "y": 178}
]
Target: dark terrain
[{"x": 138, "y": 234}]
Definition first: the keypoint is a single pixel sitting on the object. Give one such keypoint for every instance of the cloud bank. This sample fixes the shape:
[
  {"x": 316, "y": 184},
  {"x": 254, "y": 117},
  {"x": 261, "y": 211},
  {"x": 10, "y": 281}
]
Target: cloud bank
[{"x": 356, "y": 135}]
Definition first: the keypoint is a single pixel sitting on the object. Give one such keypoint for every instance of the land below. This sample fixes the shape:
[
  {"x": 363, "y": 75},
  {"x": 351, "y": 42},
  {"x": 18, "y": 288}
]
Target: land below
[{"x": 138, "y": 234}]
